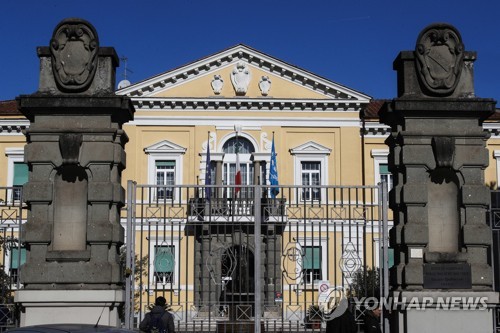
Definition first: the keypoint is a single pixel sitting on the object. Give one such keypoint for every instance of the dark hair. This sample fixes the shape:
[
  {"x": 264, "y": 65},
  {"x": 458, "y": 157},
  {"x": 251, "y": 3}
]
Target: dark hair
[{"x": 160, "y": 301}]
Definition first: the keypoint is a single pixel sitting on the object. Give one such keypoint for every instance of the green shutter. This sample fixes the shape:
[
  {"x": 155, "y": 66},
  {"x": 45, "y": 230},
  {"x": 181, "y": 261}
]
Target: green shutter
[
  {"x": 391, "y": 257},
  {"x": 14, "y": 260},
  {"x": 312, "y": 257},
  {"x": 20, "y": 173},
  {"x": 165, "y": 163},
  {"x": 164, "y": 259},
  {"x": 383, "y": 169}
]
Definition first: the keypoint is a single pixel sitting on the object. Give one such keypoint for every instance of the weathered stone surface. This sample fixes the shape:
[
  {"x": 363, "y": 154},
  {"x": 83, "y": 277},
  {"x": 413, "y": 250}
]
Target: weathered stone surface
[
  {"x": 75, "y": 151},
  {"x": 438, "y": 156}
]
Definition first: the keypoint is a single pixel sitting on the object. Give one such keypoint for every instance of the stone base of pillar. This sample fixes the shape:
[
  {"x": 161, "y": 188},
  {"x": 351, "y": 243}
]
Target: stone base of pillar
[
  {"x": 70, "y": 306},
  {"x": 453, "y": 318}
]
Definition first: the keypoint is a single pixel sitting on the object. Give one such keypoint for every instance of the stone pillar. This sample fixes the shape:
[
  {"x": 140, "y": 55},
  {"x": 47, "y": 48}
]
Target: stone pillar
[
  {"x": 256, "y": 172},
  {"x": 437, "y": 156},
  {"x": 218, "y": 158},
  {"x": 261, "y": 160},
  {"x": 75, "y": 152}
]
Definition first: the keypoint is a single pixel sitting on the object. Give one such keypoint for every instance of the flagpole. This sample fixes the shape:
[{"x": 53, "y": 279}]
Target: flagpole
[
  {"x": 237, "y": 177},
  {"x": 273, "y": 173},
  {"x": 208, "y": 173}
]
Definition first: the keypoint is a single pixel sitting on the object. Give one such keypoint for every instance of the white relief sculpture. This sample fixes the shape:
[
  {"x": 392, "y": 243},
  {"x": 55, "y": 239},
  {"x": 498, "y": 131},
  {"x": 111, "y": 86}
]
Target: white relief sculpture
[
  {"x": 240, "y": 77},
  {"x": 217, "y": 84},
  {"x": 264, "y": 142},
  {"x": 265, "y": 85},
  {"x": 213, "y": 142}
]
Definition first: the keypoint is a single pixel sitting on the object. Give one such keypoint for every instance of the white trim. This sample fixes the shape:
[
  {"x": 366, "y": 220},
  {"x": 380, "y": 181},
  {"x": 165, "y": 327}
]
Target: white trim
[
  {"x": 15, "y": 154},
  {"x": 185, "y": 104},
  {"x": 252, "y": 57},
  {"x": 165, "y": 151},
  {"x": 140, "y": 120},
  {"x": 379, "y": 157},
  {"x": 312, "y": 241},
  {"x": 231, "y": 135},
  {"x": 496, "y": 155},
  {"x": 311, "y": 152},
  {"x": 13, "y": 127},
  {"x": 376, "y": 130},
  {"x": 171, "y": 240}
]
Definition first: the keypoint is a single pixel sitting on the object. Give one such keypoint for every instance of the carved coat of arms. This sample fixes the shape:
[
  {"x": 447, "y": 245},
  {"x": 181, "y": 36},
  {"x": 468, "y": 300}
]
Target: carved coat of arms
[
  {"x": 74, "y": 47},
  {"x": 240, "y": 77},
  {"x": 439, "y": 58}
]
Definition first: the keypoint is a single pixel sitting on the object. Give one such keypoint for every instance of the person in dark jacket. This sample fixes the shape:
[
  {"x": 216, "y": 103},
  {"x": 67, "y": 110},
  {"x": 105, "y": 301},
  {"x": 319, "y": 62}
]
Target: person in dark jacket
[
  {"x": 344, "y": 323},
  {"x": 372, "y": 321},
  {"x": 158, "y": 310}
]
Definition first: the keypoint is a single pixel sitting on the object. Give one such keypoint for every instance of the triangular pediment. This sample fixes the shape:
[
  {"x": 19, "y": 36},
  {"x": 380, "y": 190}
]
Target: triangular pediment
[
  {"x": 242, "y": 72},
  {"x": 310, "y": 147},
  {"x": 165, "y": 146}
]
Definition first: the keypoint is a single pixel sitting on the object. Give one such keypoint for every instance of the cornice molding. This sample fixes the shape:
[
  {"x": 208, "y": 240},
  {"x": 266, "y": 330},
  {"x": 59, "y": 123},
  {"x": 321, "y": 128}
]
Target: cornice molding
[
  {"x": 13, "y": 127},
  {"x": 252, "y": 57},
  {"x": 247, "y": 104},
  {"x": 374, "y": 129},
  {"x": 493, "y": 129},
  {"x": 246, "y": 122}
]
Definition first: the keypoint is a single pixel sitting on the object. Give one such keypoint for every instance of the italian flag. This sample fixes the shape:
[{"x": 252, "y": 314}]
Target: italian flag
[{"x": 237, "y": 177}]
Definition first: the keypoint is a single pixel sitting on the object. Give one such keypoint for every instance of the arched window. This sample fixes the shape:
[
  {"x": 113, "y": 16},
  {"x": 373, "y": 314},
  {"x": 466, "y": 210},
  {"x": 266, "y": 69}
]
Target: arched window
[
  {"x": 244, "y": 145},
  {"x": 244, "y": 148}
]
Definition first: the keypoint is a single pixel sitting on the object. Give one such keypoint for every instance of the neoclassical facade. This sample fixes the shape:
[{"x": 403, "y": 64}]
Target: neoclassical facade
[{"x": 232, "y": 104}]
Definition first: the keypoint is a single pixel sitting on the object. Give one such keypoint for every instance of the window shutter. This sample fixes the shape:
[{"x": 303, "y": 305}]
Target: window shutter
[
  {"x": 391, "y": 257},
  {"x": 14, "y": 260},
  {"x": 164, "y": 259},
  {"x": 312, "y": 257},
  {"x": 165, "y": 163},
  {"x": 20, "y": 173},
  {"x": 383, "y": 169}
]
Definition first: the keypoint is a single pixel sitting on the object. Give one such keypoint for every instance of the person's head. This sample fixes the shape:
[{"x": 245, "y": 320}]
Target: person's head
[
  {"x": 376, "y": 312},
  {"x": 160, "y": 301}
]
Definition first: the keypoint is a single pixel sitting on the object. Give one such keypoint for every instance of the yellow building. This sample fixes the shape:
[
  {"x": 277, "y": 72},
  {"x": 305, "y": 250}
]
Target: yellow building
[{"x": 197, "y": 247}]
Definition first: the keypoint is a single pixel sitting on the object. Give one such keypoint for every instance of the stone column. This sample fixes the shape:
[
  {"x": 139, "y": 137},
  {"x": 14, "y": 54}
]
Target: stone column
[
  {"x": 256, "y": 172},
  {"x": 218, "y": 158},
  {"x": 75, "y": 153},
  {"x": 437, "y": 156}
]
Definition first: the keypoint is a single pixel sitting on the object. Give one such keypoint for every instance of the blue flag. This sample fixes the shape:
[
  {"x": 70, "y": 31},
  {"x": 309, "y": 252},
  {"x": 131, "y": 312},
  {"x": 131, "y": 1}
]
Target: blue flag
[
  {"x": 208, "y": 173},
  {"x": 273, "y": 173}
]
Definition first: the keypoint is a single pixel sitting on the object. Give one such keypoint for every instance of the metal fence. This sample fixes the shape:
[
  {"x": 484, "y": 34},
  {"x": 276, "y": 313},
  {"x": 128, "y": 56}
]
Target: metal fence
[
  {"x": 12, "y": 217},
  {"x": 494, "y": 222},
  {"x": 236, "y": 259}
]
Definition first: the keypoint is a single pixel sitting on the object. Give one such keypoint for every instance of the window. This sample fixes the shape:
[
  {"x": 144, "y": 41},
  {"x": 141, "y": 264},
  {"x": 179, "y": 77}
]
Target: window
[
  {"x": 164, "y": 264},
  {"x": 246, "y": 178},
  {"x": 380, "y": 167},
  {"x": 165, "y": 168},
  {"x": 20, "y": 178},
  {"x": 311, "y": 169},
  {"x": 245, "y": 148},
  {"x": 15, "y": 262},
  {"x": 312, "y": 264},
  {"x": 17, "y": 172},
  {"x": 165, "y": 175},
  {"x": 385, "y": 175},
  {"x": 311, "y": 175}
]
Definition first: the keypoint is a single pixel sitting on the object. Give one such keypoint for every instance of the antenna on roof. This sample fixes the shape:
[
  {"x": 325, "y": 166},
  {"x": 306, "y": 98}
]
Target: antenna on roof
[{"x": 124, "y": 83}]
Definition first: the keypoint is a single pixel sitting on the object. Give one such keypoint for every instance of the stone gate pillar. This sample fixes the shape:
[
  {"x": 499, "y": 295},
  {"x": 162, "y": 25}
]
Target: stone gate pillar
[
  {"x": 437, "y": 156},
  {"x": 75, "y": 153}
]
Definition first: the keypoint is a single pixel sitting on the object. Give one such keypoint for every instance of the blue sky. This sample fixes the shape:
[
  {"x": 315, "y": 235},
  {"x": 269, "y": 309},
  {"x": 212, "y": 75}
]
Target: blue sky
[{"x": 350, "y": 42}]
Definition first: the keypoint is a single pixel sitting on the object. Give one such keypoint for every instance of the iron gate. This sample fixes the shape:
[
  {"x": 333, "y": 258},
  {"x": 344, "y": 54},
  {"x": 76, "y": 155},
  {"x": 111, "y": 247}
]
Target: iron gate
[
  {"x": 494, "y": 222},
  {"x": 234, "y": 258},
  {"x": 12, "y": 216}
]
